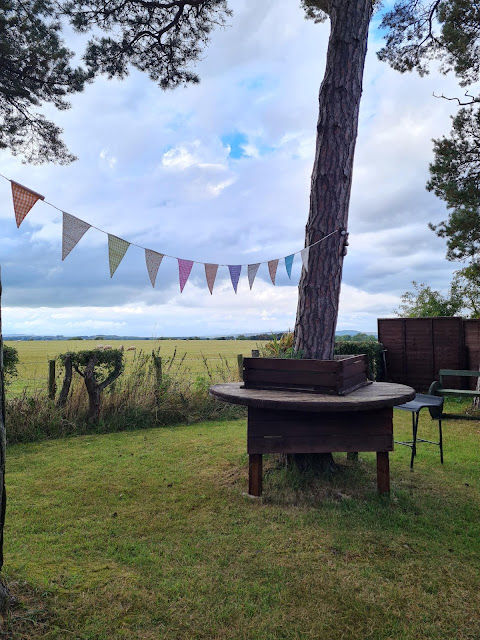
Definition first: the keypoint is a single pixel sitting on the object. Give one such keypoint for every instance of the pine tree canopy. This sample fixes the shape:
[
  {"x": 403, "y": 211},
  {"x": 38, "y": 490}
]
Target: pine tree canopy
[{"x": 162, "y": 38}]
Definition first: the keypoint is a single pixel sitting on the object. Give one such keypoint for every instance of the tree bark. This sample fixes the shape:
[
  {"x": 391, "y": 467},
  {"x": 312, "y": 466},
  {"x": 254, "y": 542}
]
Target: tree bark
[
  {"x": 4, "y": 593},
  {"x": 67, "y": 381},
  {"x": 337, "y": 127}
]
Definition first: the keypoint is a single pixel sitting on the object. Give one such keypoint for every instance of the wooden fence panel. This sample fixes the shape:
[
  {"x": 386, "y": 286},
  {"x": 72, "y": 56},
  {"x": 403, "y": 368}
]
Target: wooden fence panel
[
  {"x": 472, "y": 344},
  {"x": 391, "y": 333},
  {"x": 418, "y": 347}
]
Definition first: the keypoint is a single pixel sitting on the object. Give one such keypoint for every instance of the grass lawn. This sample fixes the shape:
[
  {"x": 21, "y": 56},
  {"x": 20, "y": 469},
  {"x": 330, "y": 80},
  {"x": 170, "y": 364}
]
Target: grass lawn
[{"x": 149, "y": 535}]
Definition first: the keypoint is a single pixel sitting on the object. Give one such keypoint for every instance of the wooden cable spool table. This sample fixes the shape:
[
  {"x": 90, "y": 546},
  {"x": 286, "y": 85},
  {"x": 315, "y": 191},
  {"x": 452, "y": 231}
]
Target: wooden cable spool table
[{"x": 294, "y": 422}]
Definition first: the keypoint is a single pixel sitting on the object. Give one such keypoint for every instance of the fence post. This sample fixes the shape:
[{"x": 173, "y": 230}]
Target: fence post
[
  {"x": 157, "y": 365},
  {"x": 240, "y": 366},
  {"x": 52, "y": 386}
]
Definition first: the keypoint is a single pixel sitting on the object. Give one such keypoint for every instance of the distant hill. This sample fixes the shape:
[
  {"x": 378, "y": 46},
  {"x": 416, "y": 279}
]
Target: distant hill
[{"x": 234, "y": 336}]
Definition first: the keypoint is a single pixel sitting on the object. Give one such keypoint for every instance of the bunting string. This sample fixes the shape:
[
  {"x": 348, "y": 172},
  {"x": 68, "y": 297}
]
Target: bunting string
[{"x": 74, "y": 229}]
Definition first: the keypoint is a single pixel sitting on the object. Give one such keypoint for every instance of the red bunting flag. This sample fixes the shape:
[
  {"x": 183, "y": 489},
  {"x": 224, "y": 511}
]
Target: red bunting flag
[
  {"x": 23, "y": 201},
  {"x": 272, "y": 269},
  {"x": 211, "y": 274}
]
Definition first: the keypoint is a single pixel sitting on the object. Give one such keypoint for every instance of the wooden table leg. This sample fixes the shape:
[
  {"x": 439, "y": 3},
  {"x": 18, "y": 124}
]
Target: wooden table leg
[
  {"x": 255, "y": 474},
  {"x": 383, "y": 472}
]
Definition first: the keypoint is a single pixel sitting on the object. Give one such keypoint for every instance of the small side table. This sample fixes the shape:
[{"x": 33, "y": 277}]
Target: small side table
[{"x": 435, "y": 406}]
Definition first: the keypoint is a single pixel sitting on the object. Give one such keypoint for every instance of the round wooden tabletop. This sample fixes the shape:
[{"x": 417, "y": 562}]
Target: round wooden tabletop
[{"x": 377, "y": 395}]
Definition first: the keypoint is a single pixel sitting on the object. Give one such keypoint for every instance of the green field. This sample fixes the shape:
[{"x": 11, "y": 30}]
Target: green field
[{"x": 34, "y": 355}]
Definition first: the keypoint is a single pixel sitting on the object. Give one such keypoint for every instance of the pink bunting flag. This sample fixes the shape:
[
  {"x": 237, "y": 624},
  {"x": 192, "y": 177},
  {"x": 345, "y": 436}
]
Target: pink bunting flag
[
  {"x": 211, "y": 274},
  {"x": 73, "y": 231},
  {"x": 305, "y": 253},
  {"x": 153, "y": 260},
  {"x": 235, "y": 270},
  {"x": 184, "y": 269},
  {"x": 23, "y": 201},
  {"x": 272, "y": 269},
  {"x": 252, "y": 272}
]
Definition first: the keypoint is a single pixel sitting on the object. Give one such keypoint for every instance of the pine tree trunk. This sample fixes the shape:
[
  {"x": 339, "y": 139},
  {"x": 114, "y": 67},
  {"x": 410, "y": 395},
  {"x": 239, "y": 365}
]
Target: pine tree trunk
[
  {"x": 337, "y": 127},
  {"x": 4, "y": 594},
  {"x": 339, "y": 99}
]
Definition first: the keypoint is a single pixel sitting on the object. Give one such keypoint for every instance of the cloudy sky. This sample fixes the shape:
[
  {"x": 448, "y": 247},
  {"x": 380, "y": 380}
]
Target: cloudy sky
[{"x": 220, "y": 172}]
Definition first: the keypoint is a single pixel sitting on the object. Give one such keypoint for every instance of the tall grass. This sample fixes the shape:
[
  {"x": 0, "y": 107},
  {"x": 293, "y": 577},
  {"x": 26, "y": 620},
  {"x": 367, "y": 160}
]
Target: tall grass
[{"x": 138, "y": 399}]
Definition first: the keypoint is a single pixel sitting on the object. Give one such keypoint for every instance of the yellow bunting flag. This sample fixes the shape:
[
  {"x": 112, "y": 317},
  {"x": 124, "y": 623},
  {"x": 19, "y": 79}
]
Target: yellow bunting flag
[
  {"x": 272, "y": 269},
  {"x": 153, "y": 260},
  {"x": 73, "y": 231},
  {"x": 23, "y": 201},
  {"x": 117, "y": 248},
  {"x": 211, "y": 274}
]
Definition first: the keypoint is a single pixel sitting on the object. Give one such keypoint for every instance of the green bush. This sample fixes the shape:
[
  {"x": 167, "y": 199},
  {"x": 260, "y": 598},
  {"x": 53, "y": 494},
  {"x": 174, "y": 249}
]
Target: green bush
[
  {"x": 374, "y": 352},
  {"x": 10, "y": 361}
]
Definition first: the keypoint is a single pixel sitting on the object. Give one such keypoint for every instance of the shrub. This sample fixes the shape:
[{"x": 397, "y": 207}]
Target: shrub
[
  {"x": 10, "y": 361},
  {"x": 374, "y": 352}
]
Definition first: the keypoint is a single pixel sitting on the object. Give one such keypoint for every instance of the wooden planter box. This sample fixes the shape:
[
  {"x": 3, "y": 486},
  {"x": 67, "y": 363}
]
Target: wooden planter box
[{"x": 338, "y": 377}]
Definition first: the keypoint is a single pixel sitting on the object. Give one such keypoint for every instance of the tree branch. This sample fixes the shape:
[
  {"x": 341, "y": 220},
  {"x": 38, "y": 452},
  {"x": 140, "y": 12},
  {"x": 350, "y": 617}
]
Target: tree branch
[{"x": 474, "y": 100}]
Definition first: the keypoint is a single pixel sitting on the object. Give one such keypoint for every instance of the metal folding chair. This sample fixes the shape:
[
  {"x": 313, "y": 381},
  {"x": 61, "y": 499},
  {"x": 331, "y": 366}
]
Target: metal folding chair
[{"x": 435, "y": 406}]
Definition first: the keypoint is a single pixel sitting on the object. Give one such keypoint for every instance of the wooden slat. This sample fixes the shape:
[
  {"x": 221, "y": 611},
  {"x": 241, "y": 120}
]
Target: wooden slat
[
  {"x": 299, "y": 444},
  {"x": 276, "y": 364},
  {"x": 275, "y": 422},
  {"x": 297, "y": 378}
]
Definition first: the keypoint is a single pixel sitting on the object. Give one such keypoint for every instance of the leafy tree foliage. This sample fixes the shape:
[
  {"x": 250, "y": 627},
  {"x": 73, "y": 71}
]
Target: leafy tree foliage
[
  {"x": 10, "y": 362},
  {"x": 160, "y": 37},
  {"x": 98, "y": 370},
  {"x": 35, "y": 69},
  {"x": 424, "y": 302},
  {"x": 447, "y": 31}
]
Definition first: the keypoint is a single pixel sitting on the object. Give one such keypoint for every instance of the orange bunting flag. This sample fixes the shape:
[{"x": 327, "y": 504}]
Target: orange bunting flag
[
  {"x": 272, "y": 269},
  {"x": 23, "y": 201},
  {"x": 73, "y": 230},
  {"x": 211, "y": 274},
  {"x": 153, "y": 260},
  {"x": 117, "y": 248}
]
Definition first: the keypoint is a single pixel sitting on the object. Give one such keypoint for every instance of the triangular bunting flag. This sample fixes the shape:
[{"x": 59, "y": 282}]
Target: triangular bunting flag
[
  {"x": 117, "y": 248},
  {"x": 184, "y": 269},
  {"x": 23, "y": 201},
  {"x": 288, "y": 265},
  {"x": 235, "y": 270},
  {"x": 305, "y": 253},
  {"x": 153, "y": 260},
  {"x": 73, "y": 231},
  {"x": 211, "y": 274},
  {"x": 272, "y": 269},
  {"x": 252, "y": 272}
]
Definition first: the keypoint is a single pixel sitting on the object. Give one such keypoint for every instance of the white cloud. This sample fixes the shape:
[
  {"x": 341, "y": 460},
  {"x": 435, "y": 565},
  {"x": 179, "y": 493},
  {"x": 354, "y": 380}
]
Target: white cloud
[{"x": 153, "y": 169}]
